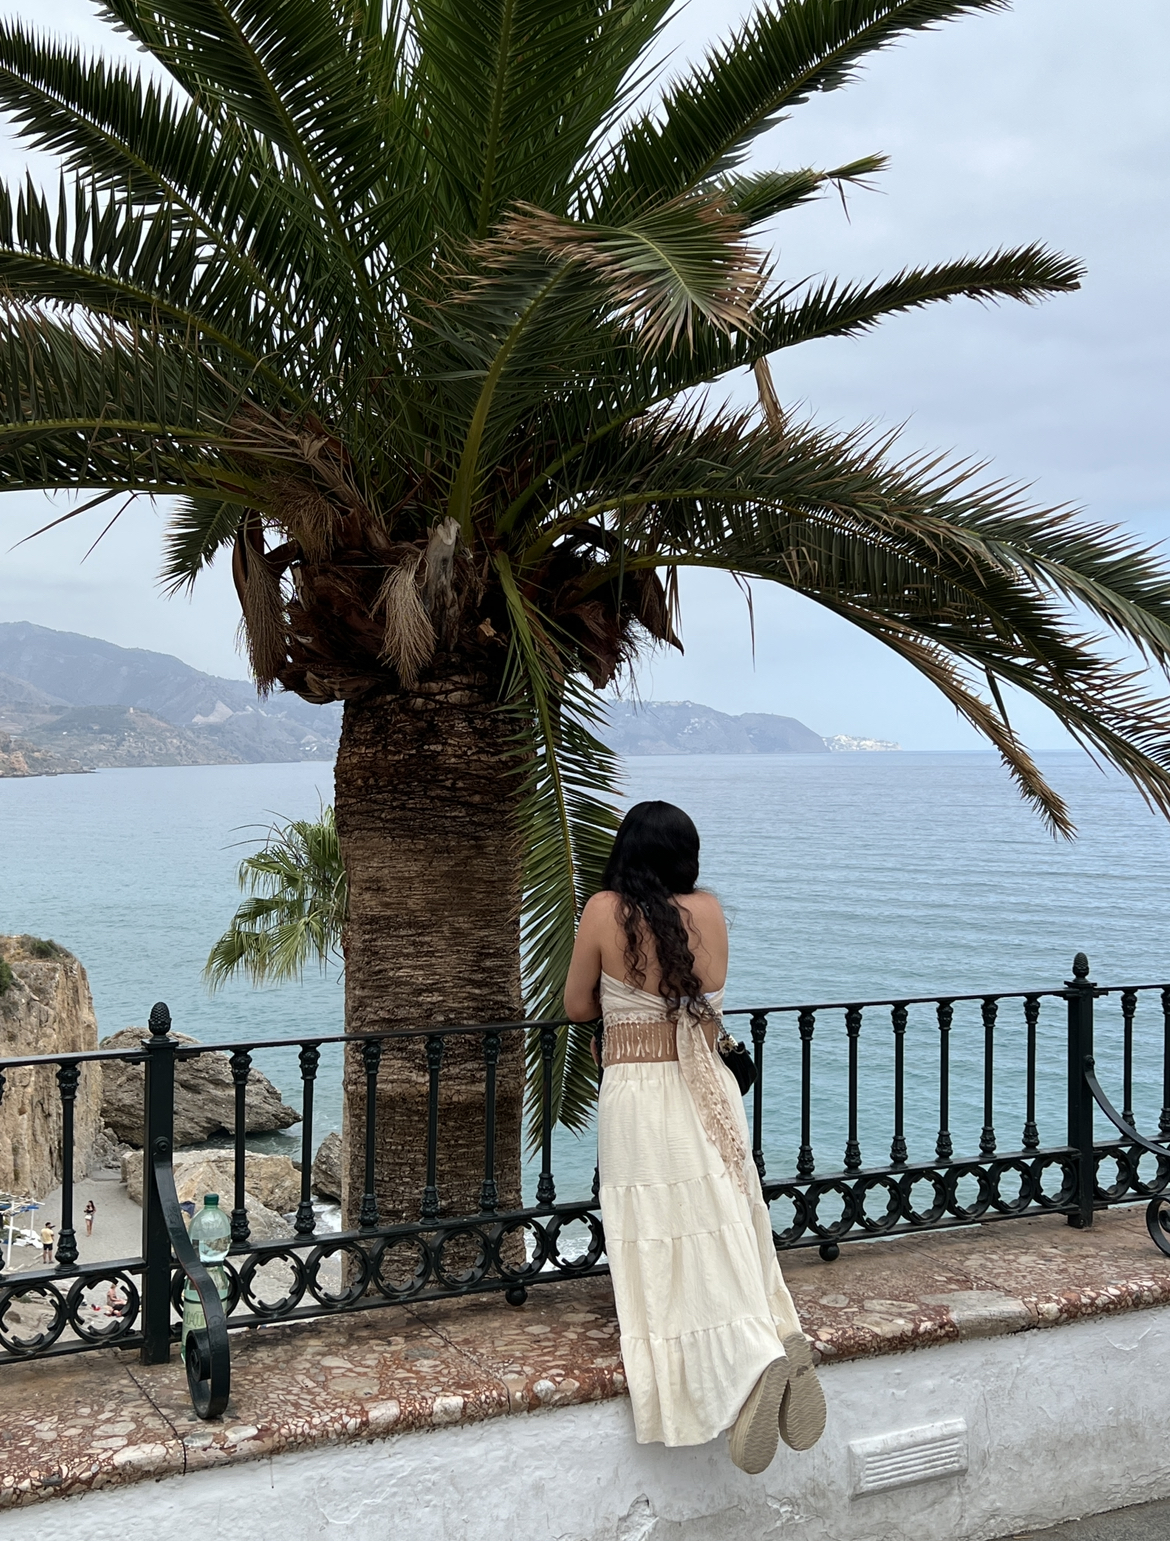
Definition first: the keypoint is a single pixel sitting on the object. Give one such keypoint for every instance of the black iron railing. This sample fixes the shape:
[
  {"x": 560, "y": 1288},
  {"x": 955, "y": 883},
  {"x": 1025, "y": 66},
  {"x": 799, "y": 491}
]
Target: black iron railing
[{"x": 50, "y": 1311}]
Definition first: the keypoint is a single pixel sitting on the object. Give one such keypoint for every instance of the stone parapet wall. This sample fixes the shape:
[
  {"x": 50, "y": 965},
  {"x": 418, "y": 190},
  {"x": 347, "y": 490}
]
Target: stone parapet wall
[
  {"x": 1006, "y": 1375},
  {"x": 1049, "y": 1425},
  {"x": 45, "y": 1008}
]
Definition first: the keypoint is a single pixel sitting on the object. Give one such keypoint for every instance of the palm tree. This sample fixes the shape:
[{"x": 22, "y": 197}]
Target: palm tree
[
  {"x": 409, "y": 305},
  {"x": 295, "y": 912}
]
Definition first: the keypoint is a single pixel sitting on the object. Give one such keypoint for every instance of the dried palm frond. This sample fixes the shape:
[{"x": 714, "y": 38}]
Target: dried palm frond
[
  {"x": 307, "y": 515},
  {"x": 664, "y": 271},
  {"x": 439, "y": 595},
  {"x": 258, "y": 588},
  {"x": 655, "y": 609},
  {"x": 409, "y": 637},
  {"x": 769, "y": 401}
]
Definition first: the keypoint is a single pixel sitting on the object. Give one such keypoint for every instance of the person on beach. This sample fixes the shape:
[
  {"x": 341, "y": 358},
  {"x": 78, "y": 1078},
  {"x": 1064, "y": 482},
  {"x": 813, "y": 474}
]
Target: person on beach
[
  {"x": 709, "y": 1334},
  {"x": 47, "y": 1240},
  {"x": 90, "y": 1211}
]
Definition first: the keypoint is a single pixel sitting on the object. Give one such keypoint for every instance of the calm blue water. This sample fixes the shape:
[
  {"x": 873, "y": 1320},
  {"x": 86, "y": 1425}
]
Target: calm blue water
[{"x": 844, "y": 877}]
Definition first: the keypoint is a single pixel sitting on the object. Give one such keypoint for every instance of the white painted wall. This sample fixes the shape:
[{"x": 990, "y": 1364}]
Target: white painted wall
[{"x": 1059, "y": 1423}]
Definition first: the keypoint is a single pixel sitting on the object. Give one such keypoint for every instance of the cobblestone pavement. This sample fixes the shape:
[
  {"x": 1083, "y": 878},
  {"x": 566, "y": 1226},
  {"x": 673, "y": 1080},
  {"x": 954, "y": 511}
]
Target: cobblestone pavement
[{"x": 1146, "y": 1522}]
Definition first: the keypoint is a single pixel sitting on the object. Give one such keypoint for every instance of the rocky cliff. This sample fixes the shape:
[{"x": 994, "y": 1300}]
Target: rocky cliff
[
  {"x": 19, "y": 757},
  {"x": 45, "y": 1008}
]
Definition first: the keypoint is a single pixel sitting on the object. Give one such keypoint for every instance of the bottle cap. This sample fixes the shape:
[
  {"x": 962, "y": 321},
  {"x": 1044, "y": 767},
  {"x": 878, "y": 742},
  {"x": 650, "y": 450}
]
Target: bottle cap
[{"x": 211, "y": 1200}]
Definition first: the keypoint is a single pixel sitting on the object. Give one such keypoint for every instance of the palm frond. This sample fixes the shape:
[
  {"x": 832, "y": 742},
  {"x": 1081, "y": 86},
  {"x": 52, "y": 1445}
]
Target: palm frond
[
  {"x": 516, "y": 91},
  {"x": 779, "y": 57},
  {"x": 197, "y": 530},
  {"x": 662, "y": 273},
  {"x": 291, "y": 73},
  {"x": 621, "y": 382},
  {"x": 113, "y": 259},
  {"x": 296, "y": 911},
  {"x": 935, "y": 563},
  {"x": 789, "y": 317},
  {"x": 569, "y": 821},
  {"x": 126, "y": 407},
  {"x": 218, "y": 183},
  {"x": 757, "y": 196}
]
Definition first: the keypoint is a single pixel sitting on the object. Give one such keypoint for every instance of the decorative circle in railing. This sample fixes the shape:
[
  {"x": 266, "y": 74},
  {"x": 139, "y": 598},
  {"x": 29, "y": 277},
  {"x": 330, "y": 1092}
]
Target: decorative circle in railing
[
  {"x": 231, "y": 1300},
  {"x": 462, "y": 1255},
  {"x": 1124, "y": 1181},
  {"x": 400, "y": 1267},
  {"x": 894, "y": 1210},
  {"x": 799, "y": 1222},
  {"x": 1159, "y": 1179},
  {"x": 593, "y": 1252},
  {"x": 284, "y": 1263},
  {"x": 1067, "y": 1166},
  {"x": 520, "y": 1230},
  {"x": 849, "y": 1208},
  {"x": 1027, "y": 1190},
  {"x": 32, "y": 1317},
  {"x": 984, "y": 1197},
  {"x": 92, "y": 1314},
  {"x": 354, "y": 1274},
  {"x": 907, "y": 1184}
]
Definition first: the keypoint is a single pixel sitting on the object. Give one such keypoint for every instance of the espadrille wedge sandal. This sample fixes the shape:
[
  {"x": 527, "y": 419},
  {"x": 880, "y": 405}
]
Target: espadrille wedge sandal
[
  {"x": 756, "y": 1432},
  {"x": 802, "y": 1409}
]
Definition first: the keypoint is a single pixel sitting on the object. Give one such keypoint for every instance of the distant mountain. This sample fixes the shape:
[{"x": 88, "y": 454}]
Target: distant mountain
[
  {"x": 22, "y": 704},
  {"x": 94, "y": 704},
  {"x": 44, "y": 672},
  {"x": 685, "y": 727},
  {"x": 103, "y": 736}
]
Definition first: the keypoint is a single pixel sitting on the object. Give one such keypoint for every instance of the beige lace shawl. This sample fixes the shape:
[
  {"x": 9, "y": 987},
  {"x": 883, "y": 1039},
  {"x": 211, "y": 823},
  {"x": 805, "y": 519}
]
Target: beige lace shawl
[{"x": 638, "y": 1029}]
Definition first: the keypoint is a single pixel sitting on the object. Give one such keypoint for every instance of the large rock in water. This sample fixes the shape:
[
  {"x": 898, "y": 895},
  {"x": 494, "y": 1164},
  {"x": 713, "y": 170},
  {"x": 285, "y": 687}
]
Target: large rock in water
[
  {"x": 198, "y": 1172},
  {"x": 327, "y": 1167},
  {"x": 272, "y": 1180},
  {"x": 205, "y": 1095},
  {"x": 45, "y": 1008}
]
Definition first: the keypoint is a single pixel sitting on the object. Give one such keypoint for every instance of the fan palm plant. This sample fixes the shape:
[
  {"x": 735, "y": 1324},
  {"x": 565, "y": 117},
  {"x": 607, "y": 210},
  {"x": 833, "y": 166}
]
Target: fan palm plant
[
  {"x": 409, "y": 305},
  {"x": 295, "y": 911}
]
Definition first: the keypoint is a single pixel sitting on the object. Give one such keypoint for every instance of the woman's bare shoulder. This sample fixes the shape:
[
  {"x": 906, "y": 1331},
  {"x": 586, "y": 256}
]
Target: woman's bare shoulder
[
  {"x": 601, "y": 908},
  {"x": 702, "y": 902}
]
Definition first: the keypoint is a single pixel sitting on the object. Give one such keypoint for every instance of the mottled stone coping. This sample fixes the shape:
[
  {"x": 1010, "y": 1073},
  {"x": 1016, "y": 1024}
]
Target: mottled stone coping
[{"x": 94, "y": 1420}]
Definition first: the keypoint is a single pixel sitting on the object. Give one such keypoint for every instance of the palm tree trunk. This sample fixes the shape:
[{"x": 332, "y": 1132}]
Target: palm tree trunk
[{"x": 426, "y": 792}]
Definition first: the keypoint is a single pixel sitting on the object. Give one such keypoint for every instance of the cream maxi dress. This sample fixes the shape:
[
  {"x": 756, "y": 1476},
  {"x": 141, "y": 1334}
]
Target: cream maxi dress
[{"x": 701, "y": 1301}]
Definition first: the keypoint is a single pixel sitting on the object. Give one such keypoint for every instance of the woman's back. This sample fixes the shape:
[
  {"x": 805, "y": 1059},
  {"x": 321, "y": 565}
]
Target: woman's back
[{"x": 602, "y": 947}]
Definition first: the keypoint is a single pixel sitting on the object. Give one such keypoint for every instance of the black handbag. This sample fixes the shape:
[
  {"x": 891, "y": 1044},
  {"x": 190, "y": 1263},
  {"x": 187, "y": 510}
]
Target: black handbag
[{"x": 737, "y": 1059}]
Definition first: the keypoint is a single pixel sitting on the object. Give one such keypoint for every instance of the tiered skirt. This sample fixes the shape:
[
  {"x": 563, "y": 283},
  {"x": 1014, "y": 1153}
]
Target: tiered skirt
[{"x": 701, "y": 1301}]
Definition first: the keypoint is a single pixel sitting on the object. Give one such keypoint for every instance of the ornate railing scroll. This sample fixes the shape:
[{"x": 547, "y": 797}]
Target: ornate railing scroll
[
  {"x": 205, "y": 1351},
  {"x": 1158, "y": 1209}
]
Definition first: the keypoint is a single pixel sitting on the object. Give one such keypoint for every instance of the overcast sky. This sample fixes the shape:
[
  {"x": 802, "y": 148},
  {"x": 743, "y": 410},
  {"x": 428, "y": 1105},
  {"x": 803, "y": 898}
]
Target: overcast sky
[{"x": 1050, "y": 122}]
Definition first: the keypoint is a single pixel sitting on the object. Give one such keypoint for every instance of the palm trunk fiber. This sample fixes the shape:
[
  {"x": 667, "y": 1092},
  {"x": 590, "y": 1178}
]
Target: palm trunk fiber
[{"x": 426, "y": 793}]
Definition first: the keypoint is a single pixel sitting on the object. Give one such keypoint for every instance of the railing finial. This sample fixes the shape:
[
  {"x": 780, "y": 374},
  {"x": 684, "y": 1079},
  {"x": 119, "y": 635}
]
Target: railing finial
[
  {"x": 159, "y": 1020},
  {"x": 1081, "y": 966}
]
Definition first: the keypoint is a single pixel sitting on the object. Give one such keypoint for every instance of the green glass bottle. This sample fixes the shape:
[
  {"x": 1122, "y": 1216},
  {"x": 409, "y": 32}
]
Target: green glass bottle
[{"x": 210, "y": 1231}]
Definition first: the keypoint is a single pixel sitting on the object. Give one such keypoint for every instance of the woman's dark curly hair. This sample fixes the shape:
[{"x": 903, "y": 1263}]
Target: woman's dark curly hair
[{"x": 655, "y": 855}]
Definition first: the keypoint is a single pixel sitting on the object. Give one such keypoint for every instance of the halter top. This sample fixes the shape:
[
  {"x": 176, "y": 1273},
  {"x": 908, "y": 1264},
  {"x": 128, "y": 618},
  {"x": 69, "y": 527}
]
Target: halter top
[{"x": 640, "y": 1028}]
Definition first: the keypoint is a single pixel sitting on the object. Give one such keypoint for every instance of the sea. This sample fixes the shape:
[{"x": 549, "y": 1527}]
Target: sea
[{"x": 846, "y": 877}]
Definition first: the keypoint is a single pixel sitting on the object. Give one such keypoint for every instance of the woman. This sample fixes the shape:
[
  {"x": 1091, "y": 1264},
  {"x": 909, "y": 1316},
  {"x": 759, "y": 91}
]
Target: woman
[{"x": 710, "y": 1337}]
